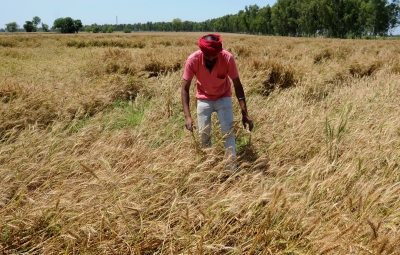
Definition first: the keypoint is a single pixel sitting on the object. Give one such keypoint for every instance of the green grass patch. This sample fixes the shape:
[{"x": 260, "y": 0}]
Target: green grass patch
[
  {"x": 127, "y": 115},
  {"x": 242, "y": 142}
]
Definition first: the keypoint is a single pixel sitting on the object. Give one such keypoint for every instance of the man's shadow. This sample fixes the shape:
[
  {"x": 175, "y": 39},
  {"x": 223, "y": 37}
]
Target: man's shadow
[{"x": 250, "y": 159}]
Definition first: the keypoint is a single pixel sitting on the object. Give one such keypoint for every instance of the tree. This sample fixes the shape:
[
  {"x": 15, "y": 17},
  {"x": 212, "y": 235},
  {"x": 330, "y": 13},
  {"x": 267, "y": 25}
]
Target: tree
[
  {"x": 45, "y": 27},
  {"x": 350, "y": 18},
  {"x": 267, "y": 11},
  {"x": 233, "y": 23},
  {"x": 285, "y": 15},
  {"x": 255, "y": 21},
  {"x": 177, "y": 24},
  {"x": 29, "y": 26},
  {"x": 12, "y": 27},
  {"x": 309, "y": 21},
  {"x": 221, "y": 24},
  {"x": 95, "y": 29},
  {"x": 77, "y": 25},
  {"x": 394, "y": 14},
  {"x": 385, "y": 16},
  {"x": 376, "y": 17},
  {"x": 262, "y": 22},
  {"x": 110, "y": 29},
  {"x": 341, "y": 18},
  {"x": 67, "y": 25},
  {"x": 187, "y": 26},
  {"x": 36, "y": 21},
  {"x": 87, "y": 29},
  {"x": 334, "y": 18},
  {"x": 243, "y": 21}
]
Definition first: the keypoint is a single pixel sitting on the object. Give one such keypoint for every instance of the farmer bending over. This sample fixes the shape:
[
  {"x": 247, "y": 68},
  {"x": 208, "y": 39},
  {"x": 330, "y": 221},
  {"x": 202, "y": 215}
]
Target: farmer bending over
[{"x": 212, "y": 65}]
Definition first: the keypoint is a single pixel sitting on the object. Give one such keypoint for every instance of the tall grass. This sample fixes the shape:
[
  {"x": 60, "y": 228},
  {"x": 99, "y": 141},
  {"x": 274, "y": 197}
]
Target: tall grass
[{"x": 94, "y": 156}]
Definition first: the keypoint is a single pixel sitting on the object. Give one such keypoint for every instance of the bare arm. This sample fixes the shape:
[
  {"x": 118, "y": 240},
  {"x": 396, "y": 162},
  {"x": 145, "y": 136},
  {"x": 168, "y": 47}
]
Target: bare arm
[
  {"x": 242, "y": 102},
  {"x": 185, "y": 103}
]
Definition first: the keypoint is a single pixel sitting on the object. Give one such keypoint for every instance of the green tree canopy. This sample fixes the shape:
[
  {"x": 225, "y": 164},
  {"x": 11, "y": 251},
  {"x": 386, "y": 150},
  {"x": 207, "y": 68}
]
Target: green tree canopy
[
  {"x": 45, "y": 27},
  {"x": 12, "y": 27},
  {"x": 177, "y": 24},
  {"x": 67, "y": 25},
  {"x": 87, "y": 29},
  {"x": 36, "y": 20},
  {"x": 329, "y": 18},
  {"x": 110, "y": 29},
  {"x": 29, "y": 26},
  {"x": 95, "y": 29}
]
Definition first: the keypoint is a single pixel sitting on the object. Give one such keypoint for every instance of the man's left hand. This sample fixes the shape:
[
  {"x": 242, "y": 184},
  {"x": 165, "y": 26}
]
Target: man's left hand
[{"x": 246, "y": 120}]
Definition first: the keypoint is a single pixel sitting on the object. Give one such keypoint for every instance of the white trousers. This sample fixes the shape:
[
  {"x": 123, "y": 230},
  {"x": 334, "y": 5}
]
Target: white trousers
[{"x": 223, "y": 108}]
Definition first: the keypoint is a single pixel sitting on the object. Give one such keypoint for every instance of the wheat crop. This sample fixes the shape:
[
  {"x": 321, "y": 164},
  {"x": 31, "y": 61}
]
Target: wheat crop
[{"x": 95, "y": 159}]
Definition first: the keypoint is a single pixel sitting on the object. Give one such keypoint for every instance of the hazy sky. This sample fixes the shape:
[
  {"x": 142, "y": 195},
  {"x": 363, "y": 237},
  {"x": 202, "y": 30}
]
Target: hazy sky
[{"x": 128, "y": 12}]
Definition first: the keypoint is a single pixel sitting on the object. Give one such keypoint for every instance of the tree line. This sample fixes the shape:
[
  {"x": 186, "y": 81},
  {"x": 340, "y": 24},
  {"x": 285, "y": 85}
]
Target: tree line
[
  {"x": 329, "y": 18},
  {"x": 62, "y": 25}
]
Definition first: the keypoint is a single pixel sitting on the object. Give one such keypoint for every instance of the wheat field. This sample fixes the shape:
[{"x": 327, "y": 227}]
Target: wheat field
[{"x": 95, "y": 159}]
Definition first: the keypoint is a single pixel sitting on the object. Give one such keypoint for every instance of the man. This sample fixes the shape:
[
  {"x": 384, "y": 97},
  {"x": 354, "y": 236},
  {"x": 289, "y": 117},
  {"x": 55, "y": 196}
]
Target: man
[{"x": 213, "y": 66}]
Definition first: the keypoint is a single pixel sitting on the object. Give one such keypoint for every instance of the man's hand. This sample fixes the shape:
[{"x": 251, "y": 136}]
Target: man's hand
[
  {"x": 246, "y": 120},
  {"x": 189, "y": 124},
  {"x": 185, "y": 103},
  {"x": 242, "y": 102}
]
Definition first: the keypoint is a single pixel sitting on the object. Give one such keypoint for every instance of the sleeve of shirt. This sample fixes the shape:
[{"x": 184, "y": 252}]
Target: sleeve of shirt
[
  {"x": 232, "y": 69},
  {"x": 188, "y": 72}
]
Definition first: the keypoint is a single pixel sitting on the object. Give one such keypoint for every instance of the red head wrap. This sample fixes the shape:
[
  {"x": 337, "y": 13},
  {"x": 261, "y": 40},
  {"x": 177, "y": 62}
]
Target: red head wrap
[{"x": 210, "y": 47}]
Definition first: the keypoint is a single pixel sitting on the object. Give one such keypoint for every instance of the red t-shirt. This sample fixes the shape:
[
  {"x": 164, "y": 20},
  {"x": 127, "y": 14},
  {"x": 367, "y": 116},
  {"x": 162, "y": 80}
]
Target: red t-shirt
[{"x": 215, "y": 84}]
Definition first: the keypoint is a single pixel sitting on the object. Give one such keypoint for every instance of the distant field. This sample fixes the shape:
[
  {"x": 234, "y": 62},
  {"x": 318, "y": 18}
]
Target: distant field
[{"x": 95, "y": 159}]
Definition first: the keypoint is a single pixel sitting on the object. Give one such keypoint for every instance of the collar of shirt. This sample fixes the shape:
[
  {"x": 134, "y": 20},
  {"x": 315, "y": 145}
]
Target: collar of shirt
[{"x": 203, "y": 62}]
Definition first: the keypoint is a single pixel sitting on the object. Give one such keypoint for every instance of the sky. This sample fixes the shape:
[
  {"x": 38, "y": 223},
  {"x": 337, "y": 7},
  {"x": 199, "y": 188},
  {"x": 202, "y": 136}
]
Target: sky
[{"x": 125, "y": 11}]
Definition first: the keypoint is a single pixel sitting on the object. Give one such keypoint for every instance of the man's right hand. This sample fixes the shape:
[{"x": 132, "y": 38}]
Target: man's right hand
[
  {"x": 185, "y": 104},
  {"x": 189, "y": 124}
]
